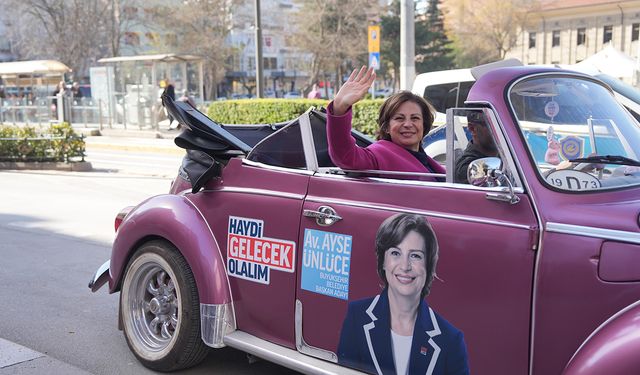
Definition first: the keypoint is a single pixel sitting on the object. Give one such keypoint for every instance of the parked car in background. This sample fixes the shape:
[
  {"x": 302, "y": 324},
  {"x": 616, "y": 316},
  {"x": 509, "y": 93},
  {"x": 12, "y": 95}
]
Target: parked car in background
[
  {"x": 292, "y": 95},
  {"x": 264, "y": 245}
]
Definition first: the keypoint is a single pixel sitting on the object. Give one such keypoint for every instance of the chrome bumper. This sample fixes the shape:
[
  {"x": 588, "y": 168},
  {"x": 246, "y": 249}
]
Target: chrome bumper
[{"x": 100, "y": 278}]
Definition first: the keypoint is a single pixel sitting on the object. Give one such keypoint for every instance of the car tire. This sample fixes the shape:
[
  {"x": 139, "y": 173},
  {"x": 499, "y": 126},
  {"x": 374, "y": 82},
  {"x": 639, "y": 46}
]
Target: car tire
[{"x": 160, "y": 309}]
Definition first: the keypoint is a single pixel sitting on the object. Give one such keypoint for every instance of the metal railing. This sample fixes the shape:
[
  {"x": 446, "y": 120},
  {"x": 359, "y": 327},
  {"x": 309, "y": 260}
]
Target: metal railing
[{"x": 125, "y": 113}]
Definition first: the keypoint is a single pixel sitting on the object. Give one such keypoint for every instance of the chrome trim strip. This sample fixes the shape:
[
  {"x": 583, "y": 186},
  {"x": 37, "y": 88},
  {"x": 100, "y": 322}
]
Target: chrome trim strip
[
  {"x": 273, "y": 167},
  {"x": 270, "y": 193},
  {"x": 284, "y": 356},
  {"x": 418, "y": 212},
  {"x": 305, "y": 348},
  {"x": 215, "y": 322},
  {"x": 393, "y": 173},
  {"x": 518, "y": 190},
  {"x": 308, "y": 145},
  {"x": 607, "y": 234}
]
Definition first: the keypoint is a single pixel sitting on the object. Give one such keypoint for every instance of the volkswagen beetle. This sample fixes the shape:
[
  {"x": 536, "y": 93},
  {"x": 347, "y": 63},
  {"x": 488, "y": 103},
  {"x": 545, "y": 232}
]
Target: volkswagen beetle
[{"x": 539, "y": 262}]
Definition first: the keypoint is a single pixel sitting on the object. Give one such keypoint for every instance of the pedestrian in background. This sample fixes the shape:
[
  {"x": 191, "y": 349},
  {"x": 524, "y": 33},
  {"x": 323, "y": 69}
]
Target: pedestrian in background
[
  {"x": 314, "y": 93},
  {"x": 186, "y": 98}
]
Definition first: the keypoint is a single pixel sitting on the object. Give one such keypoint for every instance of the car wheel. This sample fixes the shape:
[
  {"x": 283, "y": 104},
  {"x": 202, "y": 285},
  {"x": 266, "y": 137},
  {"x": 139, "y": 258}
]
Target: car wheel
[{"x": 160, "y": 309}]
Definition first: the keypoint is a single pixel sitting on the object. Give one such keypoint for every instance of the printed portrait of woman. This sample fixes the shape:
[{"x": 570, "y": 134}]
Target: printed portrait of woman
[{"x": 396, "y": 332}]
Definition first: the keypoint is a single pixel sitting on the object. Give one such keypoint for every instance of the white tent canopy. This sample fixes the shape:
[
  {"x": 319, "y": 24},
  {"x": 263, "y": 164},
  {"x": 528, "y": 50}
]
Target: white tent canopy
[{"x": 612, "y": 62}]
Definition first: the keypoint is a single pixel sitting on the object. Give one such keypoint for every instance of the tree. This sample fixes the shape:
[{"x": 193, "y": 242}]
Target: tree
[
  {"x": 199, "y": 27},
  {"x": 433, "y": 50},
  {"x": 432, "y": 47},
  {"x": 76, "y": 32},
  {"x": 335, "y": 32},
  {"x": 483, "y": 31}
]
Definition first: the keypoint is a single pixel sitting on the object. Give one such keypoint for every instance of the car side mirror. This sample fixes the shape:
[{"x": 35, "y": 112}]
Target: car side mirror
[
  {"x": 483, "y": 172},
  {"x": 487, "y": 172}
]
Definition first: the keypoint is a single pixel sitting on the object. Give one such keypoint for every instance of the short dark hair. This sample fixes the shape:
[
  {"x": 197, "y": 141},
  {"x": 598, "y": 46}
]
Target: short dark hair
[
  {"x": 391, "y": 106},
  {"x": 394, "y": 229},
  {"x": 476, "y": 118}
]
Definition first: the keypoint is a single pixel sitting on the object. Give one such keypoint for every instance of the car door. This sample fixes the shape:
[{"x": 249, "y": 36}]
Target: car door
[
  {"x": 484, "y": 273},
  {"x": 256, "y": 218}
]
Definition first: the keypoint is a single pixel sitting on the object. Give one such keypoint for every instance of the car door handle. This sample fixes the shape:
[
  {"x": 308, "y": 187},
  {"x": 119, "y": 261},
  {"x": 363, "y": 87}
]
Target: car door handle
[{"x": 325, "y": 215}]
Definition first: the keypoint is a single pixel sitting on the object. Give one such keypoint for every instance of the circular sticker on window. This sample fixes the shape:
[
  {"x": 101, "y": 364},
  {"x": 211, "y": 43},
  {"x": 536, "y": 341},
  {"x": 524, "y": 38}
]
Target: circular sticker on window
[
  {"x": 568, "y": 179},
  {"x": 552, "y": 108},
  {"x": 571, "y": 147}
]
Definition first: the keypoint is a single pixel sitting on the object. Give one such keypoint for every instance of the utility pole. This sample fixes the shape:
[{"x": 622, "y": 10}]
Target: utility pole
[
  {"x": 259, "y": 86},
  {"x": 407, "y": 44}
]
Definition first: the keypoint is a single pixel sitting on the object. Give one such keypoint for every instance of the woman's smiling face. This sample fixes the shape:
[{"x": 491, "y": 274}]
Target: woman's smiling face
[
  {"x": 406, "y": 127},
  {"x": 405, "y": 266}
]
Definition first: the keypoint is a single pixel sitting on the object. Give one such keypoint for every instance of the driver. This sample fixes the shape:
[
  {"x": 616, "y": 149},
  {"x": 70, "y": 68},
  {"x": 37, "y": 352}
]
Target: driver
[{"x": 480, "y": 146}]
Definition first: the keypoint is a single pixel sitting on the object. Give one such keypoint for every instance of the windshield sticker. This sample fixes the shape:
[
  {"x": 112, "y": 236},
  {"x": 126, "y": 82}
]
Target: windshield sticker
[
  {"x": 568, "y": 179},
  {"x": 552, "y": 156},
  {"x": 552, "y": 109},
  {"x": 326, "y": 260},
  {"x": 251, "y": 256},
  {"x": 571, "y": 147}
]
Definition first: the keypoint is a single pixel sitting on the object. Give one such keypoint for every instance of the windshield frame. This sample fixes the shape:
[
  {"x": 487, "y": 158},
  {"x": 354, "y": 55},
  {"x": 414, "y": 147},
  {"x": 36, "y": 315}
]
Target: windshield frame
[{"x": 540, "y": 175}]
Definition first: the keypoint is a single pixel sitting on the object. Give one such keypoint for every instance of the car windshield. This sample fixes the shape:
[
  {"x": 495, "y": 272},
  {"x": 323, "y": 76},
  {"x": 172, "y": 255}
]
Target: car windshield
[{"x": 580, "y": 138}]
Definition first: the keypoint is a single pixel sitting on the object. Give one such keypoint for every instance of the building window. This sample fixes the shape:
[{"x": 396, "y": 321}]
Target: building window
[
  {"x": 582, "y": 36},
  {"x": 532, "y": 40},
  {"x": 607, "y": 34},
  {"x": 635, "y": 31},
  {"x": 171, "y": 39},
  {"x": 555, "y": 38},
  {"x": 131, "y": 39},
  {"x": 270, "y": 63},
  {"x": 129, "y": 12}
]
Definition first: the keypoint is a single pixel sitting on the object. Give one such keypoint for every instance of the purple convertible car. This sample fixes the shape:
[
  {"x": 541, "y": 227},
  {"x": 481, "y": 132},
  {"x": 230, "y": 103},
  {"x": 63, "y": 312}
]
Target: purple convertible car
[{"x": 262, "y": 244}]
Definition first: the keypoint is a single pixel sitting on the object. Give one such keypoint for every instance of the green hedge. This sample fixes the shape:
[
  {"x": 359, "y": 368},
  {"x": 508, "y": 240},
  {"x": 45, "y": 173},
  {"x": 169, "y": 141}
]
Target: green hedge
[
  {"x": 58, "y": 142},
  {"x": 269, "y": 111}
]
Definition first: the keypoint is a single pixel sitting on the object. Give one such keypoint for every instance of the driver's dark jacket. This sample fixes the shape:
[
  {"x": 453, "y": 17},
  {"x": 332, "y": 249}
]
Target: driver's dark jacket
[{"x": 470, "y": 154}]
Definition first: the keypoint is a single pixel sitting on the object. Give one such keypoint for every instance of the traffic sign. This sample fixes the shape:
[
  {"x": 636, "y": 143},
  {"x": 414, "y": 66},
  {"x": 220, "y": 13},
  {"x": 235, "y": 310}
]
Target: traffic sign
[
  {"x": 374, "y": 60},
  {"x": 374, "y": 38}
]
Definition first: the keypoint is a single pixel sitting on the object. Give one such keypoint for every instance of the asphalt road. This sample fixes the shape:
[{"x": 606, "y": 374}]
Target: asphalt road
[{"x": 55, "y": 231}]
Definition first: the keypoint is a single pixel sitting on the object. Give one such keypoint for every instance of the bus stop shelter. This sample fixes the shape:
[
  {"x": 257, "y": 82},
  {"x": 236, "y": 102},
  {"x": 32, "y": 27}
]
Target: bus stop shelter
[
  {"x": 155, "y": 62},
  {"x": 35, "y": 74}
]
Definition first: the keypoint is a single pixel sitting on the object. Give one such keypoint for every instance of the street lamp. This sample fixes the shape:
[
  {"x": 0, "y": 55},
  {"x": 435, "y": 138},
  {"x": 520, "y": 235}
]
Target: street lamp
[
  {"x": 259, "y": 86},
  {"x": 407, "y": 44}
]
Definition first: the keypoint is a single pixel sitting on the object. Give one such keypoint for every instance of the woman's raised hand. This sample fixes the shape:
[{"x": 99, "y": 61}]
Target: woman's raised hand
[{"x": 353, "y": 90}]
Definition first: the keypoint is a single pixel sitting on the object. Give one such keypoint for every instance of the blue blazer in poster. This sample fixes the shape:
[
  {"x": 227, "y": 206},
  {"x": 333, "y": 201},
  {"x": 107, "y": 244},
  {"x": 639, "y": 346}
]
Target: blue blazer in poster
[{"x": 365, "y": 340}]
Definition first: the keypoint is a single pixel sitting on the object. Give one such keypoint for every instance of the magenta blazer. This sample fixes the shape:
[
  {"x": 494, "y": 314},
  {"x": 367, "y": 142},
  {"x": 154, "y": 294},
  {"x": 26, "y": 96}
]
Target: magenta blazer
[{"x": 381, "y": 155}]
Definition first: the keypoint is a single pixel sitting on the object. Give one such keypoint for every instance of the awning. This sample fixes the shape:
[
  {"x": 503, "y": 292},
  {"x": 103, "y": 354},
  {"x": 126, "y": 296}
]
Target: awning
[
  {"x": 33, "y": 67},
  {"x": 166, "y": 57}
]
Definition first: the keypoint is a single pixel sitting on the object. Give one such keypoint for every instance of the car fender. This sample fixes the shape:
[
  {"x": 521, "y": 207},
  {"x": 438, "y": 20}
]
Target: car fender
[
  {"x": 612, "y": 348},
  {"x": 175, "y": 219}
]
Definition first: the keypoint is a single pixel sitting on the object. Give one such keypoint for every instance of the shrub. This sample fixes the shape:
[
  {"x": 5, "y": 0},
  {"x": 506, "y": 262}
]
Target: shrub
[
  {"x": 58, "y": 142},
  {"x": 270, "y": 111}
]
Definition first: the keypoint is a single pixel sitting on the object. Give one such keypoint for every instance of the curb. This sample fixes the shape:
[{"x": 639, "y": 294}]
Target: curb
[
  {"x": 81, "y": 166},
  {"x": 18, "y": 359}
]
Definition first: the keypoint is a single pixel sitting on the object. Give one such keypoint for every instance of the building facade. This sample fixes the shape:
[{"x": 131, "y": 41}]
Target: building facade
[{"x": 567, "y": 32}]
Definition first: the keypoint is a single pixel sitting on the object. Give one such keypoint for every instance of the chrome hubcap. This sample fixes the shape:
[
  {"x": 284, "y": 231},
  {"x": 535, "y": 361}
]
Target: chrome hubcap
[{"x": 154, "y": 306}]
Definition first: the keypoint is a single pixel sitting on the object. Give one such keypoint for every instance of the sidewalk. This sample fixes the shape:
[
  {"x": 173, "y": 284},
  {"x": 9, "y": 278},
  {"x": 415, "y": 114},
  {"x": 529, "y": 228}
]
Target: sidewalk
[
  {"x": 132, "y": 140},
  {"x": 17, "y": 359}
]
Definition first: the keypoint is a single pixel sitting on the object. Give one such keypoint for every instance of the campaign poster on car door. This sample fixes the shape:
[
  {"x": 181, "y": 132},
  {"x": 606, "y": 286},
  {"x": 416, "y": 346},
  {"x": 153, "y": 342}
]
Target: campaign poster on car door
[{"x": 372, "y": 339}]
